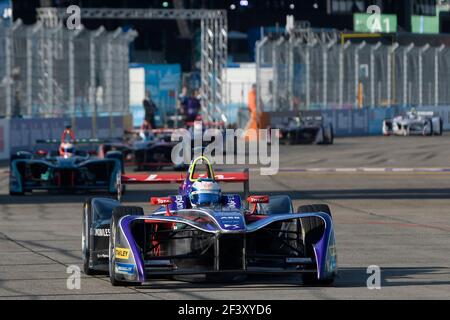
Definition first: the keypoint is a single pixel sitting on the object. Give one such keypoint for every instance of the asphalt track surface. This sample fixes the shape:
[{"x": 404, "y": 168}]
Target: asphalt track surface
[{"x": 399, "y": 221}]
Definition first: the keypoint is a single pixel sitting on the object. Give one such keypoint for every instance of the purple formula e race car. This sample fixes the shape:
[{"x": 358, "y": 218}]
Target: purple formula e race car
[{"x": 202, "y": 232}]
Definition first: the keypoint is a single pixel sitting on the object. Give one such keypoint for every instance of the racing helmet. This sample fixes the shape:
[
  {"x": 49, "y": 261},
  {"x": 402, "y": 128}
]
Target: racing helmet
[
  {"x": 66, "y": 150},
  {"x": 205, "y": 193}
]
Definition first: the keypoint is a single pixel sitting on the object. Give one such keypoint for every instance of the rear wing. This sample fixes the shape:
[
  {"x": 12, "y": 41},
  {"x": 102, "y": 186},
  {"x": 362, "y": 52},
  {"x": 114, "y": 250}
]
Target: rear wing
[
  {"x": 208, "y": 124},
  {"x": 167, "y": 178},
  {"x": 426, "y": 113},
  {"x": 154, "y": 131},
  {"x": 76, "y": 141}
]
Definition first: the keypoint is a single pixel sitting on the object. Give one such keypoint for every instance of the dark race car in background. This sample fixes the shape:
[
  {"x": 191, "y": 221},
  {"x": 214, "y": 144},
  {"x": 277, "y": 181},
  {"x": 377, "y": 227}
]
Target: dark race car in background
[
  {"x": 46, "y": 169},
  {"x": 152, "y": 149},
  {"x": 303, "y": 128},
  {"x": 229, "y": 240},
  {"x": 146, "y": 150}
]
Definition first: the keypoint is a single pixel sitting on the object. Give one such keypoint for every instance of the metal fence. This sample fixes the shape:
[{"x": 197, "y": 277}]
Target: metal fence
[
  {"x": 48, "y": 72},
  {"x": 294, "y": 74}
]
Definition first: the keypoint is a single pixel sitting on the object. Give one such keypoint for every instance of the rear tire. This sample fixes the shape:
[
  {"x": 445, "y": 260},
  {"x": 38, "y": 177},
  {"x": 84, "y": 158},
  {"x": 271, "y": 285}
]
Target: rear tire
[
  {"x": 117, "y": 214},
  {"x": 313, "y": 230},
  {"x": 441, "y": 128},
  {"x": 290, "y": 139},
  {"x": 12, "y": 193},
  {"x": 328, "y": 135},
  {"x": 430, "y": 124}
]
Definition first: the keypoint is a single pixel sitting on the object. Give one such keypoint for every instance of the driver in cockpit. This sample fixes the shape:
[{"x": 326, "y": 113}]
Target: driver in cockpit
[{"x": 205, "y": 193}]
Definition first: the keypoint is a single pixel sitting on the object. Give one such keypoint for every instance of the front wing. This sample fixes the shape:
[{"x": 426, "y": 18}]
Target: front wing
[
  {"x": 27, "y": 175},
  {"x": 148, "y": 246},
  {"x": 305, "y": 135}
]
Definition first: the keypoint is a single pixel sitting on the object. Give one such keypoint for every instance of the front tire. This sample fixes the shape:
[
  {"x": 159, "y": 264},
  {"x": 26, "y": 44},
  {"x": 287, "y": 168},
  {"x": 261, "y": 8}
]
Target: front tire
[
  {"x": 312, "y": 231},
  {"x": 441, "y": 128},
  {"x": 118, "y": 213},
  {"x": 430, "y": 126},
  {"x": 328, "y": 135},
  {"x": 85, "y": 238}
]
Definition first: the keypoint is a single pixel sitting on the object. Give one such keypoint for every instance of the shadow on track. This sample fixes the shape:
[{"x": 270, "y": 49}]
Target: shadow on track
[
  {"x": 139, "y": 196},
  {"x": 350, "y": 277},
  {"x": 374, "y": 194},
  {"x": 394, "y": 277}
]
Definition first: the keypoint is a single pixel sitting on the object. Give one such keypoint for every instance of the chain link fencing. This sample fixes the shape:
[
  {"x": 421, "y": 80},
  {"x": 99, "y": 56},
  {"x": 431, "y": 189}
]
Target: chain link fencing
[
  {"x": 55, "y": 72},
  {"x": 296, "y": 74}
]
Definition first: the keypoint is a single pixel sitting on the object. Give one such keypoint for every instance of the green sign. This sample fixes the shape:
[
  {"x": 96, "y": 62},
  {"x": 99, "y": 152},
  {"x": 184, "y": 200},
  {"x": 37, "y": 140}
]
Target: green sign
[
  {"x": 428, "y": 24},
  {"x": 374, "y": 23},
  {"x": 424, "y": 24}
]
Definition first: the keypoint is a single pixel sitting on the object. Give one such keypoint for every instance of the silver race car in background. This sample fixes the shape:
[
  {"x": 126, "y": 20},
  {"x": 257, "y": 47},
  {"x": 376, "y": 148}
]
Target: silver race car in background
[{"x": 424, "y": 123}]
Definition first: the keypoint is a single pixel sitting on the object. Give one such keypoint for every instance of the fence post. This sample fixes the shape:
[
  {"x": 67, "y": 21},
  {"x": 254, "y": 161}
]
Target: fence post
[
  {"x": 291, "y": 71},
  {"x": 259, "y": 46},
  {"x": 8, "y": 72},
  {"x": 325, "y": 49},
  {"x": 275, "y": 63},
  {"x": 358, "y": 48},
  {"x": 343, "y": 47},
  {"x": 308, "y": 75},
  {"x": 50, "y": 54},
  {"x": 325, "y": 74},
  {"x": 437, "y": 52},
  {"x": 390, "y": 52},
  {"x": 114, "y": 37},
  {"x": 30, "y": 36},
  {"x": 130, "y": 35},
  {"x": 71, "y": 36},
  {"x": 92, "y": 76},
  {"x": 372, "y": 73},
  {"x": 405, "y": 73},
  {"x": 421, "y": 52}
]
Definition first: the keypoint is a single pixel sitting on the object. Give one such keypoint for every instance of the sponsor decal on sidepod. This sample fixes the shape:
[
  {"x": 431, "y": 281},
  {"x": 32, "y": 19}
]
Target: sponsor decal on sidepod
[
  {"x": 124, "y": 268},
  {"x": 102, "y": 232}
]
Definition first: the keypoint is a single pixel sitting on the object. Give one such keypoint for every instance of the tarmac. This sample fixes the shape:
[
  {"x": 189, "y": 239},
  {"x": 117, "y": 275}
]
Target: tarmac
[{"x": 389, "y": 196}]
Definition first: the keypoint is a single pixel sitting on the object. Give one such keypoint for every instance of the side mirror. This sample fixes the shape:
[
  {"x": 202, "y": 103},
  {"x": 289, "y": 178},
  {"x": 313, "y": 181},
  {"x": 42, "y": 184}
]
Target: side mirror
[
  {"x": 162, "y": 202},
  {"x": 255, "y": 200},
  {"x": 42, "y": 153},
  {"x": 258, "y": 199}
]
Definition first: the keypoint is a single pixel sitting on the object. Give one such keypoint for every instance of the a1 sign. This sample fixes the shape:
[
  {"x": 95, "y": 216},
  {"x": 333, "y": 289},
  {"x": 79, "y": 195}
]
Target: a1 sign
[{"x": 380, "y": 23}]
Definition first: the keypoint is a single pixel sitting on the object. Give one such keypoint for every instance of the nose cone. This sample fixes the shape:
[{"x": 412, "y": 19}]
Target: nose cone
[
  {"x": 231, "y": 221},
  {"x": 65, "y": 162}
]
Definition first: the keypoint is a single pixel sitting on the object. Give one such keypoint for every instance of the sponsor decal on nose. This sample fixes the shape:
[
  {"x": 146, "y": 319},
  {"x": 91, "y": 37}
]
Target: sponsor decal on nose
[
  {"x": 101, "y": 232},
  {"x": 122, "y": 253}
]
